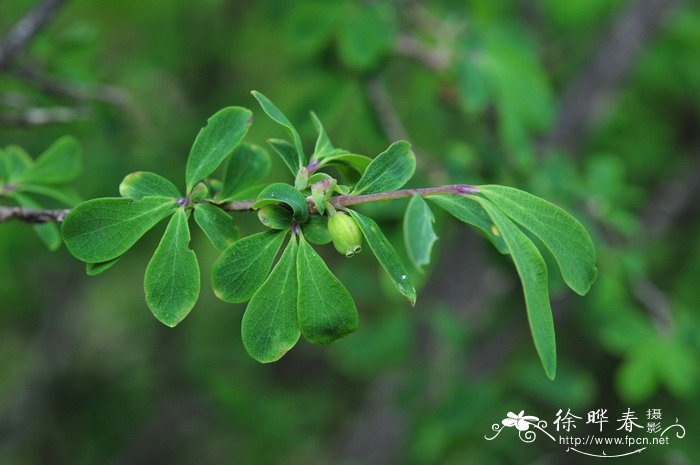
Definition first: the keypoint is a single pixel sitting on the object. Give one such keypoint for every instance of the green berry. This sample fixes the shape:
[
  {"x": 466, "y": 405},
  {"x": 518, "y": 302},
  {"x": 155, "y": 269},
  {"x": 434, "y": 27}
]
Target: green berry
[{"x": 346, "y": 234}]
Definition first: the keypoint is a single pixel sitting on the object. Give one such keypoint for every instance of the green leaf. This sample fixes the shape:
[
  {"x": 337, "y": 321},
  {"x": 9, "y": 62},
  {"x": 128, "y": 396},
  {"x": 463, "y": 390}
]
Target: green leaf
[
  {"x": 17, "y": 162},
  {"x": 64, "y": 195},
  {"x": 533, "y": 274},
  {"x": 242, "y": 268},
  {"x": 316, "y": 230},
  {"x": 248, "y": 165},
  {"x": 223, "y": 132},
  {"x": 284, "y": 193},
  {"x": 389, "y": 171},
  {"x": 287, "y": 153},
  {"x": 358, "y": 162},
  {"x": 468, "y": 210},
  {"x": 560, "y": 232},
  {"x": 269, "y": 327},
  {"x": 59, "y": 163},
  {"x": 325, "y": 309},
  {"x": 277, "y": 116},
  {"x": 4, "y": 166},
  {"x": 47, "y": 232},
  {"x": 93, "y": 269},
  {"x": 275, "y": 216},
  {"x": 323, "y": 143},
  {"x": 418, "y": 232},
  {"x": 386, "y": 255},
  {"x": 142, "y": 184},
  {"x": 172, "y": 276},
  {"x": 216, "y": 224},
  {"x": 102, "y": 229}
]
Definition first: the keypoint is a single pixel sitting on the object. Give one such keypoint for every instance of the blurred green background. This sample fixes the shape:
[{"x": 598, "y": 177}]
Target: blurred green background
[{"x": 592, "y": 104}]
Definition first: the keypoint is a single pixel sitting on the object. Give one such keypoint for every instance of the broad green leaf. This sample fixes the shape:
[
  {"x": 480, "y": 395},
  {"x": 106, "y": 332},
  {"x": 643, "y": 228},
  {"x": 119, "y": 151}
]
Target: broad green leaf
[
  {"x": 316, "y": 230},
  {"x": 533, "y": 275},
  {"x": 216, "y": 224},
  {"x": 418, "y": 232},
  {"x": 146, "y": 184},
  {"x": 389, "y": 171},
  {"x": 93, "y": 269},
  {"x": 47, "y": 232},
  {"x": 277, "y": 116},
  {"x": 270, "y": 327},
  {"x": 560, "y": 232},
  {"x": 223, "y": 132},
  {"x": 358, "y": 162},
  {"x": 102, "y": 229},
  {"x": 172, "y": 276},
  {"x": 386, "y": 255},
  {"x": 468, "y": 210},
  {"x": 287, "y": 153},
  {"x": 246, "y": 166},
  {"x": 275, "y": 216},
  {"x": 323, "y": 143},
  {"x": 17, "y": 162},
  {"x": 242, "y": 267},
  {"x": 59, "y": 163},
  {"x": 248, "y": 193},
  {"x": 284, "y": 193},
  {"x": 64, "y": 195},
  {"x": 325, "y": 308}
]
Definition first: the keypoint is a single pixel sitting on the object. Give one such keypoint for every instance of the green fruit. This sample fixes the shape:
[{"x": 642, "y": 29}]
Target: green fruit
[
  {"x": 275, "y": 216},
  {"x": 346, "y": 234}
]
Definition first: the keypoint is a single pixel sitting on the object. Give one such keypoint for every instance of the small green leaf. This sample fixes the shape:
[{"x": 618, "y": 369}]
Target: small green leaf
[
  {"x": 560, "y": 232},
  {"x": 418, "y": 232},
  {"x": 223, "y": 132},
  {"x": 216, "y": 224},
  {"x": 102, "y": 229},
  {"x": 287, "y": 153},
  {"x": 325, "y": 308},
  {"x": 533, "y": 274},
  {"x": 284, "y": 193},
  {"x": 316, "y": 230},
  {"x": 389, "y": 171},
  {"x": 386, "y": 255},
  {"x": 467, "y": 210},
  {"x": 142, "y": 184},
  {"x": 242, "y": 268},
  {"x": 247, "y": 165},
  {"x": 172, "y": 276},
  {"x": 47, "y": 232},
  {"x": 323, "y": 143},
  {"x": 64, "y": 195},
  {"x": 17, "y": 162},
  {"x": 276, "y": 216},
  {"x": 270, "y": 327},
  {"x": 357, "y": 162},
  {"x": 93, "y": 269},
  {"x": 59, "y": 163},
  {"x": 277, "y": 116}
]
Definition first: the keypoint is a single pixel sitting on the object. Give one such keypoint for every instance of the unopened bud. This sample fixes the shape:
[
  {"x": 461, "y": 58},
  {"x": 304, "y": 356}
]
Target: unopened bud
[
  {"x": 199, "y": 192},
  {"x": 346, "y": 234}
]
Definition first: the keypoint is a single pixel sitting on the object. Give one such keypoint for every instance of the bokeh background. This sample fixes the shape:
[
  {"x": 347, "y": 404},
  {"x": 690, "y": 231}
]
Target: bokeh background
[{"x": 593, "y": 104}]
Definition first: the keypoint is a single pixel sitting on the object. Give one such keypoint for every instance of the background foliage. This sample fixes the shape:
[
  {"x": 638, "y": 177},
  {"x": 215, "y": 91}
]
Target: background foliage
[{"x": 89, "y": 377}]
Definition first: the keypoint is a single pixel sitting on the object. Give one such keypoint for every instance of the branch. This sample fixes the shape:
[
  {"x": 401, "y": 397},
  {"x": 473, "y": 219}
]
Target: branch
[
  {"x": 26, "y": 28},
  {"x": 590, "y": 92},
  {"x": 40, "y": 116},
  {"x": 30, "y": 215}
]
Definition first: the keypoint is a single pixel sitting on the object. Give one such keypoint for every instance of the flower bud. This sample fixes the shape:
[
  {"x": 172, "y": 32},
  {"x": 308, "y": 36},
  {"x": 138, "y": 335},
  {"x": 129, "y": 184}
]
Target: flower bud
[
  {"x": 346, "y": 234},
  {"x": 275, "y": 216},
  {"x": 199, "y": 192}
]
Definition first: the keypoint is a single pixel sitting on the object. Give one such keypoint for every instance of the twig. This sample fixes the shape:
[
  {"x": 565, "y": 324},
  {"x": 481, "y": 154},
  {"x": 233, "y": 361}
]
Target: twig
[
  {"x": 42, "y": 116},
  {"x": 30, "y": 215},
  {"x": 26, "y": 28},
  {"x": 434, "y": 58},
  {"x": 387, "y": 116},
  {"x": 589, "y": 93}
]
